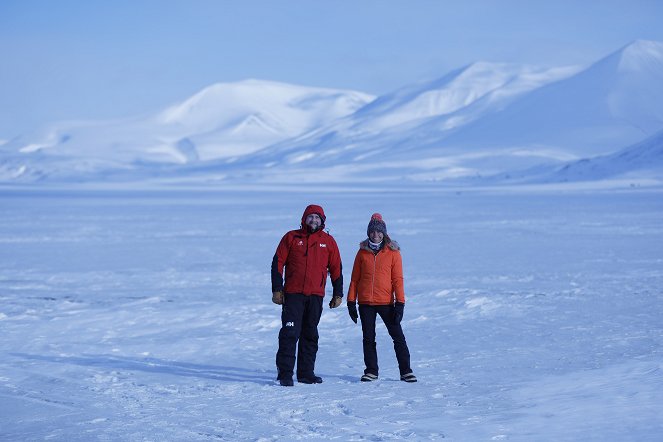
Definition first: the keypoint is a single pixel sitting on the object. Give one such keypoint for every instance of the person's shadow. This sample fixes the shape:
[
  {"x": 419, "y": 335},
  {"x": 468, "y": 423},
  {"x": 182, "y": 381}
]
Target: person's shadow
[{"x": 160, "y": 366}]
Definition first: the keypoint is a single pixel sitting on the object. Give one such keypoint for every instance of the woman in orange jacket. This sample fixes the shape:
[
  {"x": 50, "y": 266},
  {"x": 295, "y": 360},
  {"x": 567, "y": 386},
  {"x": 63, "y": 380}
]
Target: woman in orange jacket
[{"x": 377, "y": 285}]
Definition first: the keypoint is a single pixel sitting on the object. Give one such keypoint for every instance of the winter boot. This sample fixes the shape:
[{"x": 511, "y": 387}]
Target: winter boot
[
  {"x": 369, "y": 377},
  {"x": 286, "y": 382},
  {"x": 310, "y": 379},
  {"x": 408, "y": 377}
]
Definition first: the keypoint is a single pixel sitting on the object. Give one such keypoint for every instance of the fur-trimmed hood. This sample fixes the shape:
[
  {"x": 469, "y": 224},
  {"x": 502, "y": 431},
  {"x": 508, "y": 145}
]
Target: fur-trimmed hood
[{"x": 393, "y": 245}]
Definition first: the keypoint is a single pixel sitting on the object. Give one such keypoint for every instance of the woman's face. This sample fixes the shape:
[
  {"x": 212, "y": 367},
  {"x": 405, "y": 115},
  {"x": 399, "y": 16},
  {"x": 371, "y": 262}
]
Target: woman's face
[{"x": 376, "y": 236}]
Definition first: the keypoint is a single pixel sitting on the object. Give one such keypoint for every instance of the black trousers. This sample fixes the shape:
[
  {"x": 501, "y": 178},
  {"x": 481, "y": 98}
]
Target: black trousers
[
  {"x": 368, "y": 315},
  {"x": 300, "y": 317}
]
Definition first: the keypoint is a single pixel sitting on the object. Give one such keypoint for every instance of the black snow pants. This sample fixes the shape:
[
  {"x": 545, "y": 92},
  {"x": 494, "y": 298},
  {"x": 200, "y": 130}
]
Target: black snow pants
[
  {"x": 368, "y": 314},
  {"x": 300, "y": 317}
]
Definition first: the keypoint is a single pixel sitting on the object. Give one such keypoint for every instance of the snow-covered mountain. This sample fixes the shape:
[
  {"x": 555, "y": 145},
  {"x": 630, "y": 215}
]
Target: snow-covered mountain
[
  {"x": 640, "y": 163},
  {"x": 394, "y": 120},
  {"x": 228, "y": 120},
  {"x": 480, "y": 86},
  {"x": 490, "y": 118},
  {"x": 642, "y": 160},
  {"x": 613, "y": 103},
  {"x": 224, "y": 120},
  {"x": 482, "y": 120}
]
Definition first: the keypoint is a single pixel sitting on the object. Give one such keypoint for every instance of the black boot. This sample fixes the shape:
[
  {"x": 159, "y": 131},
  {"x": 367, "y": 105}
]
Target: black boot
[
  {"x": 286, "y": 382},
  {"x": 310, "y": 379}
]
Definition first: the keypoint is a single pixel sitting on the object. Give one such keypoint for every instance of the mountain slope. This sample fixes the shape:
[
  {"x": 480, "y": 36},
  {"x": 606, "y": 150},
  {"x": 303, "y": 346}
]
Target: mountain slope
[
  {"x": 222, "y": 121},
  {"x": 644, "y": 159},
  {"x": 508, "y": 121},
  {"x": 389, "y": 125},
  {"x": 615, "y": 102}
]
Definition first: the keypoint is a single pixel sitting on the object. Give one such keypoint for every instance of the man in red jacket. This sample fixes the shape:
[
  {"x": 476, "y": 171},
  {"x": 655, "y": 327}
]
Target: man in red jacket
[{"x": 308, "y": 255}]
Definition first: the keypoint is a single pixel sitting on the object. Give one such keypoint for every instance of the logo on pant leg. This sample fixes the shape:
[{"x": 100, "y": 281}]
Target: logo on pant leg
[{"x": 290, "y": 324}]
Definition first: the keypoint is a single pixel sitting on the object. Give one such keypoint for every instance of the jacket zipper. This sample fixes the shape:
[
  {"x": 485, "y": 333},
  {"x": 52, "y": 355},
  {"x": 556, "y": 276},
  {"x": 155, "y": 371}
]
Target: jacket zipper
[
  {"x": 375, "y": 265},
  {"x": 305, "y": 265}
]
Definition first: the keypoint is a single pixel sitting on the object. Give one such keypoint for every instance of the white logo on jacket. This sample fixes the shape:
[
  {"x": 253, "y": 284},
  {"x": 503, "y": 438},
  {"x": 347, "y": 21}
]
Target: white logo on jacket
[{"x": 323, "y": 245}]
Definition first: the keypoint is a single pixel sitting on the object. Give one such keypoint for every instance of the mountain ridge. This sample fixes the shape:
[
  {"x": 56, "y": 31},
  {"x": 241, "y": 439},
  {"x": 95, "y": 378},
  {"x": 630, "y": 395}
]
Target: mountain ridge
[{"x": 483, "y": 119}]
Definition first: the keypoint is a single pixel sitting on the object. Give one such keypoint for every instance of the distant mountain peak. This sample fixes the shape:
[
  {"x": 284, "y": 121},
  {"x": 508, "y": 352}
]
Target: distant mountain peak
[
  {"x": 640, "y": 55},
  {"x": 217, "y": 101},
  {"x": 644, "y": 46}
]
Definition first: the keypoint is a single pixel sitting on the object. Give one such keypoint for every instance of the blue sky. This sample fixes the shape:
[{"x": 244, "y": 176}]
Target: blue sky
[{"x": 80, "y": 60}]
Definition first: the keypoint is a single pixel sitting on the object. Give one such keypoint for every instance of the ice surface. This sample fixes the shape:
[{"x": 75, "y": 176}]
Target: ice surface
[{"x": 147, "y": 316}]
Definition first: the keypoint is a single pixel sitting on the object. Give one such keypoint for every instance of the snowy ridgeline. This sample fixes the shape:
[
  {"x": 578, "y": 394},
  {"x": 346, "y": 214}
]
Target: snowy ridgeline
[
  {"x": 142, "y": 316},
  {"x": 495, "y": 122}
]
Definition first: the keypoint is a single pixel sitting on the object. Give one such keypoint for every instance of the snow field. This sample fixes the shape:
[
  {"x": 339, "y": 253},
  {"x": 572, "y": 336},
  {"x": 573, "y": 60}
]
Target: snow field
[{"x": 147, "y": 316}]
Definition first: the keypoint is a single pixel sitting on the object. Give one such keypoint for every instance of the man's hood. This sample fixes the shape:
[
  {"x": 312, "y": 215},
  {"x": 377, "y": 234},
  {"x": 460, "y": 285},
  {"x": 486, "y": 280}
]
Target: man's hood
[{"x": 311, "y": 209}]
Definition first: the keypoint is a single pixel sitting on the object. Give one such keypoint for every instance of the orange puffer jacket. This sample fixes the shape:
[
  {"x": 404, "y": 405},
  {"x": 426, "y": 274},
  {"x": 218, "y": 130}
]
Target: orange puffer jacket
[{"x": 377, "y": 279}]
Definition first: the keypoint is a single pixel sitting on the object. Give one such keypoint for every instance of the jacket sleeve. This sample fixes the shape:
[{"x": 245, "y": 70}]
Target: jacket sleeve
[
  {"x": 354, "y": 279},
  {"x": 336, "y": 269},
  {"x": 397, "y": 277},
  {"x": 278, "y": 262}
]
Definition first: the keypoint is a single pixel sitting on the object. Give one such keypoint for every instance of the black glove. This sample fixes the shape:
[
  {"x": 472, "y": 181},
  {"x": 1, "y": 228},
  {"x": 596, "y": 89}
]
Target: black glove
[
  {"x": 352, "y": 311},
  {"x": 398, "y": 312}
]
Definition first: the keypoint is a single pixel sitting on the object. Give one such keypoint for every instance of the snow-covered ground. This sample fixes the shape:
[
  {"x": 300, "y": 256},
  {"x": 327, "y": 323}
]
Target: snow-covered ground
[{"x": 141, "y": 316}]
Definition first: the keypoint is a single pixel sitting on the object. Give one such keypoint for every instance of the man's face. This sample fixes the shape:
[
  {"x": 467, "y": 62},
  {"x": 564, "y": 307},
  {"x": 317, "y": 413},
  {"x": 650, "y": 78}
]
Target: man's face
[{"x": 313, "y": 221}]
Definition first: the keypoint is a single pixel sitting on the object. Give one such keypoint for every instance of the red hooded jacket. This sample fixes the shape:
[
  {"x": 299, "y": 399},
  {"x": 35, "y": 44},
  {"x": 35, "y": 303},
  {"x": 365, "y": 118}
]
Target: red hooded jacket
[{"x": 307, "y": 258}]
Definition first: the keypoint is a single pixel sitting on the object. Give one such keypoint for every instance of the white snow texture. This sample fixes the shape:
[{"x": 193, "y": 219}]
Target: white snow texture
[{"x": 147, "y": 316}]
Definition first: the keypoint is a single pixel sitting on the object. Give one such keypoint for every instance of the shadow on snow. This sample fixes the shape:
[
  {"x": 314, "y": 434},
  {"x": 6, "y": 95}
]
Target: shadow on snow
[{"x": 152, "y": 365}]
